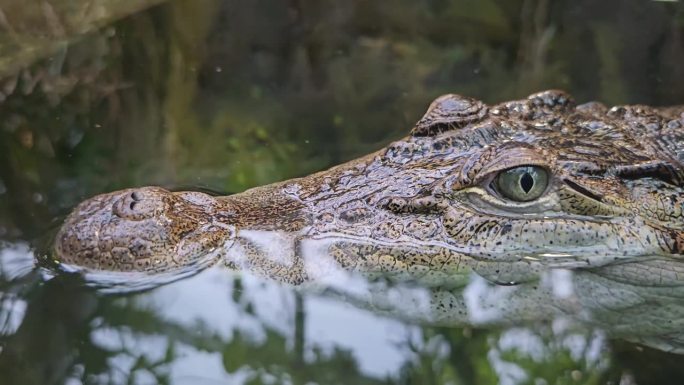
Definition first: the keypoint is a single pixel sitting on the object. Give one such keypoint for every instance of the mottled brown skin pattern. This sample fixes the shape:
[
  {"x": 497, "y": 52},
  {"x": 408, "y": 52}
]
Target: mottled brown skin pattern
[{"x": 424, "y": 209}]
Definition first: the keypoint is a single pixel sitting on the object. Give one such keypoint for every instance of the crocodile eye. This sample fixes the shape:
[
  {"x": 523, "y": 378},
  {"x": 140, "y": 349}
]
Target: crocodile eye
[{"x": 522, "y": 184}]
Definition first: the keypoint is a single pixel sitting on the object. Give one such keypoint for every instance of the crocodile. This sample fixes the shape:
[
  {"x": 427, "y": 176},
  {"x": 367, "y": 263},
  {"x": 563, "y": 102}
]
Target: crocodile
[
  {"x": 510, "y": 192},
  {"x": 502, "y": 190}
]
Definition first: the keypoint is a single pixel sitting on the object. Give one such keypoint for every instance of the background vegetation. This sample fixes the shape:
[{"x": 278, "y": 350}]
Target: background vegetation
[{"x": 229, "y": 94}]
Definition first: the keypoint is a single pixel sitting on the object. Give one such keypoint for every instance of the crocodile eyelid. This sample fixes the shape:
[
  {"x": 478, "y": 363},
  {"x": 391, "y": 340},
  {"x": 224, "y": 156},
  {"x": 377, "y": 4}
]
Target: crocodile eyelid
[{"x": 507, "y": 157}]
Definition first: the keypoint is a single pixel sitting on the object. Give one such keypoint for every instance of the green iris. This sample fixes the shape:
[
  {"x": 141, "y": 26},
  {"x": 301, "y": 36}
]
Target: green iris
[{"x": 522, "y": 184}]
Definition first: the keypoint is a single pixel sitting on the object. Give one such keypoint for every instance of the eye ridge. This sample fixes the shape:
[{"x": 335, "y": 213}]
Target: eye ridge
[{"x": 522, "y": 183}]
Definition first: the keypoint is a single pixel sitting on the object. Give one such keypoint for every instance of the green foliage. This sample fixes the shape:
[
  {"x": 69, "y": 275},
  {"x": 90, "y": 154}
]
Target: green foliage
[{"x": 232, "y": 94}]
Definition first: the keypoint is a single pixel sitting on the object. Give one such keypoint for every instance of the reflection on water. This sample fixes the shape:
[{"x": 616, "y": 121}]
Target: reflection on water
[
  {"x": 219, "y": 326},
  {"x": 228, "y": 94}
]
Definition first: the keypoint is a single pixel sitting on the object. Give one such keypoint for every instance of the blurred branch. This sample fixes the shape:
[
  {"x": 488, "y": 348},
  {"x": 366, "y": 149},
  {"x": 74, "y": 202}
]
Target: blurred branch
[{"x": 32, "y": 30}]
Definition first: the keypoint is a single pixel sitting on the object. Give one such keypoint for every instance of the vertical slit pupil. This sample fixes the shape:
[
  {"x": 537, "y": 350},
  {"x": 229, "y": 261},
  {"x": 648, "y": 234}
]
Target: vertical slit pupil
[{"x": 527, "y": 182}]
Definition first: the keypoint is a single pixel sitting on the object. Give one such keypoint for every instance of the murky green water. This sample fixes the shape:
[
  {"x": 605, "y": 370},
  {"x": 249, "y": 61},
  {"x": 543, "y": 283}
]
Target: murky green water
[{"x": 225, "y": 95}]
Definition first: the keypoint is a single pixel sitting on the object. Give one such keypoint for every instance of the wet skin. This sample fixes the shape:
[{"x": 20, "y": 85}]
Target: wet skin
[{"x": 503, "y": 190}]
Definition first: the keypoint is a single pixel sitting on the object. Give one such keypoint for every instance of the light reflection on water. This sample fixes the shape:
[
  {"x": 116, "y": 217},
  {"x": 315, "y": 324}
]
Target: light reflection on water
[
  {"x": 207, "y": 299},
  {"x": 227, "y": 95},
  {"x": 217, "y": 306},
  {"x": 16, "y": 261}
]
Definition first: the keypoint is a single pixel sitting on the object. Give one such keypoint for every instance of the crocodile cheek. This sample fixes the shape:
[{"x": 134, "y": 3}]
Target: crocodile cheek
[{"x": 592, "y": 241}]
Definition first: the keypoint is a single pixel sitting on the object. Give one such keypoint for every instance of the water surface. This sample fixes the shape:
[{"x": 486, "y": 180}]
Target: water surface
[{"x": 226, "y": 95}]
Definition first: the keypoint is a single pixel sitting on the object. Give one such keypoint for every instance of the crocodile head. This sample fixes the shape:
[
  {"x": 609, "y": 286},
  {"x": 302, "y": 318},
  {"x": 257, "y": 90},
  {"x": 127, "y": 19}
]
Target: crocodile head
[{"x": 504, "y": 190}]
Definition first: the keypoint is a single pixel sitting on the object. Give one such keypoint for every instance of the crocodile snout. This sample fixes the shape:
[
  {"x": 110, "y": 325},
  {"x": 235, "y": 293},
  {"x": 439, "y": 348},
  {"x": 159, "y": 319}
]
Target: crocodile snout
[{"x": 139, "y": 229}]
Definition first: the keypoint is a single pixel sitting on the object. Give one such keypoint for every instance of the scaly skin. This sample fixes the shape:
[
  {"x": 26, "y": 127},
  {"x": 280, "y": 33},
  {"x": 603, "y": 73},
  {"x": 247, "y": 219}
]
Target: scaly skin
[{"x": 424, "y": 209}]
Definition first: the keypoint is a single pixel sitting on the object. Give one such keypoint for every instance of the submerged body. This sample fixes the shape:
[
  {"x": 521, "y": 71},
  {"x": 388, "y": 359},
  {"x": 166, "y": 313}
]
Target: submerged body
[{"x": 506, "y": 191}]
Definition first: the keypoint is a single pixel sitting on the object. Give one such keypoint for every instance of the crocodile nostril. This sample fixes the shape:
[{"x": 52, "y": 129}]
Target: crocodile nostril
[{"x": 138, "y": 205}]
